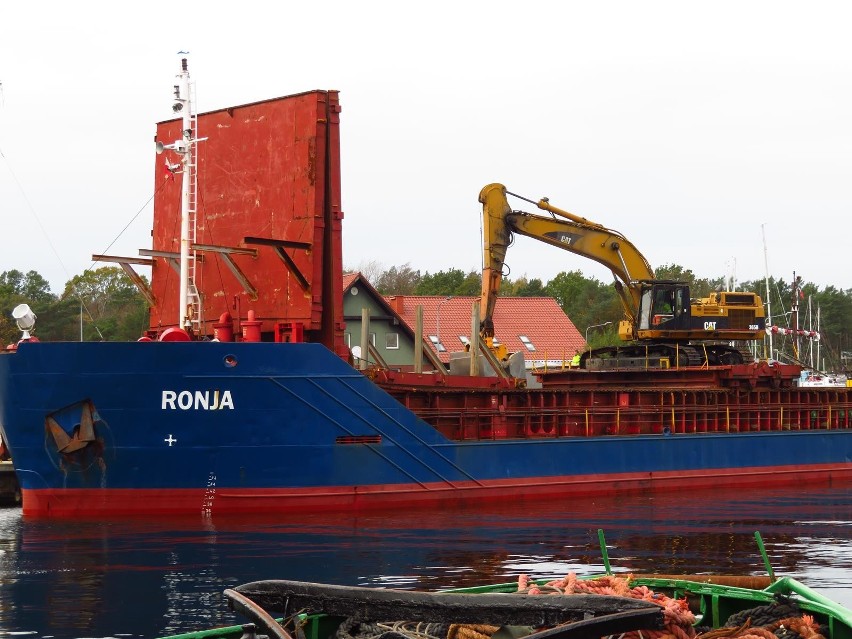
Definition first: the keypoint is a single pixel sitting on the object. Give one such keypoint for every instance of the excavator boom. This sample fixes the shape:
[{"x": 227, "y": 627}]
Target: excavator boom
[{"x": 569, "y": 232}]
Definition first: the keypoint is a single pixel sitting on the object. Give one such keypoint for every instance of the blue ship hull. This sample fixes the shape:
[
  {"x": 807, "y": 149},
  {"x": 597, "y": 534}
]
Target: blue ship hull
[{"x": 249, "y": 427}]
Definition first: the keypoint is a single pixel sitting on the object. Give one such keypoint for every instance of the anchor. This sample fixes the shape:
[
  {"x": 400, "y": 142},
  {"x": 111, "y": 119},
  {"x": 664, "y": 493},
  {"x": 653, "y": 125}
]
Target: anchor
[{"x": 82, "y": 434}]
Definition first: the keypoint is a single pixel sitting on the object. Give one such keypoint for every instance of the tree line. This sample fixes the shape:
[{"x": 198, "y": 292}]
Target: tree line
[
  {"x": 105, "y": 305},
  {"x": 99, "y": 305}
]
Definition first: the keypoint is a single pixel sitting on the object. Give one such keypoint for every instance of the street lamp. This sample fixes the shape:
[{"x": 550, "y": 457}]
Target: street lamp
[
  {"x": 594, "y": 326},
  {"x": 438, "y": 317}
]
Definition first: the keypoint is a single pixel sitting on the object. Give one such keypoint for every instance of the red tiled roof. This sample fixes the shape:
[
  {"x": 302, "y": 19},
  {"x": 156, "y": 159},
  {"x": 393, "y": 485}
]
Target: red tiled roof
[{"x": 540, "y": 319}]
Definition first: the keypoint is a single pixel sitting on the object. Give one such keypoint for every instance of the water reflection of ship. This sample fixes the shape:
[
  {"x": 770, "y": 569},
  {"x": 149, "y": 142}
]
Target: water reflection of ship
[
  {"x": 89, "y": 562},
  {"x": 78, "y": 580},
  {"x": 698, "y": 532},
  {"x": 182, "y": 565},
  {"x": 666, "y": 548},
  {"x": 722, "y": 552}
]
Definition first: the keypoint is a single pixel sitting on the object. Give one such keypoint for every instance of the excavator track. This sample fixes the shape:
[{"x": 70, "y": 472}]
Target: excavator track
[
  {"x": 724, "y": 355},
  {"x": 659, "y": 356}
]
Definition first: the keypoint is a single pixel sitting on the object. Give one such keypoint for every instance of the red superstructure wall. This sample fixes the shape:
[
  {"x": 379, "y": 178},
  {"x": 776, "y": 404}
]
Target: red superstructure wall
[{"x": 267, "y": 170}]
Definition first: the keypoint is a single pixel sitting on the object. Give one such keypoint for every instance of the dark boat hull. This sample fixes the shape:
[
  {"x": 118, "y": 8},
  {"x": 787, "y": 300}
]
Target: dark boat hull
[{"x": 720, "y": 607}]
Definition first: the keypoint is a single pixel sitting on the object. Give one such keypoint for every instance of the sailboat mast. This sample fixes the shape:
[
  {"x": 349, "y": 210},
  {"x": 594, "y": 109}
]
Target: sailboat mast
[
  {"x": 768, "y": 298},
  {"x": 794, "y": 315}
]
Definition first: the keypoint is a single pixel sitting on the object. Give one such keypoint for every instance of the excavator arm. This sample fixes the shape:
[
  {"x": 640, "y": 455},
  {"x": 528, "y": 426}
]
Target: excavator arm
[{"x": 567, "y": 231}]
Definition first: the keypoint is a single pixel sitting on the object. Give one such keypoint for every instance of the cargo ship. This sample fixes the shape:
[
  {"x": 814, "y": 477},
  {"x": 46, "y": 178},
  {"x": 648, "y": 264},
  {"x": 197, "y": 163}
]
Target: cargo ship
[{"x": 242, "y": 396}]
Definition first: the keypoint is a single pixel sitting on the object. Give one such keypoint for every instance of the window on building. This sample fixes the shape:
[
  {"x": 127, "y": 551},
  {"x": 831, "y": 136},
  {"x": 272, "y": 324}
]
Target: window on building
[
  {"x": 437, "y": 343},
  {"x": 391, "y": 340},
  {"x": 526, "y": 342},
  {"x": 464, "y": 340},
  {"x": 348, "y": 338}
]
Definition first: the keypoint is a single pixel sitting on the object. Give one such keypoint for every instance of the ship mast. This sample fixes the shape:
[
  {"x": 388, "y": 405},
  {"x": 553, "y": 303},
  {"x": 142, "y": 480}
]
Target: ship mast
[
  {"x": 189, "y": 304},
  {"x": 182, "y": 100}
]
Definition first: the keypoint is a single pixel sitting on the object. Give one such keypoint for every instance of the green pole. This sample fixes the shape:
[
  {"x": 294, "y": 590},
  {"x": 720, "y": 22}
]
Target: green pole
[
  {"x": 763, "y": 554},
  {"x": 603, "y": 551}
]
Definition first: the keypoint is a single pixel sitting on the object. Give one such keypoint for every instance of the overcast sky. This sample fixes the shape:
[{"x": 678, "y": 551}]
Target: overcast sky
[{"x": 692, "y": 128}]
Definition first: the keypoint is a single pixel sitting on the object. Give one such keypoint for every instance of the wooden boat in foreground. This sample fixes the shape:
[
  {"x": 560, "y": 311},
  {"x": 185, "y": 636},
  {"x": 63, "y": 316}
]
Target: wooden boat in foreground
[{"x": 619, "y": 606}]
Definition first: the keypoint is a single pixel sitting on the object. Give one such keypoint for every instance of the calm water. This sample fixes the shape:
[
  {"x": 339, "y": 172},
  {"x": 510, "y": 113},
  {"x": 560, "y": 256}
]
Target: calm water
[{"x": 148, "y": 579}]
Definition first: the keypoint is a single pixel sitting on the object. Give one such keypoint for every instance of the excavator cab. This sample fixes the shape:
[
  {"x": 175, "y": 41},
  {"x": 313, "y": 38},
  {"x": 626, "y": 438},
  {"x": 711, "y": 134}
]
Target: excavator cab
[
  {"x": 664, "y": 305},
  {"x": 666, "y": 312}
]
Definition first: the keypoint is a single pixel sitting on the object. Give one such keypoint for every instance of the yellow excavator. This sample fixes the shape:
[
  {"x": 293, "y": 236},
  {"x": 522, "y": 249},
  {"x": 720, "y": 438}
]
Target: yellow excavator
[{"x": 662, "y": 326}]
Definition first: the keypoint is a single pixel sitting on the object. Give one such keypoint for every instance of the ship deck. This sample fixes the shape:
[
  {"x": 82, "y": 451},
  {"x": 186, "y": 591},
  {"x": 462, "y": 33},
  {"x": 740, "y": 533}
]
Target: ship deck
[{"x": 580, "y": 403}]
